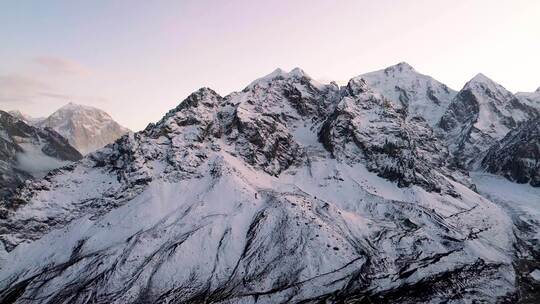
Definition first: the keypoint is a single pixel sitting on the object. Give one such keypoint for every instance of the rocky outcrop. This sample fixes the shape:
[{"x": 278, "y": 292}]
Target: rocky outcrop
[
  {"x": 517, "y": 155},
  {"x": 365, "y": 127},
  {"x": 482, "y": 113}
]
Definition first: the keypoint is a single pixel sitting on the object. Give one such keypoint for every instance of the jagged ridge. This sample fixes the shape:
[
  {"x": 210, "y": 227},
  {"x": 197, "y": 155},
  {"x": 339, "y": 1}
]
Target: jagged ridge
[{"x": 235, "y": 199}]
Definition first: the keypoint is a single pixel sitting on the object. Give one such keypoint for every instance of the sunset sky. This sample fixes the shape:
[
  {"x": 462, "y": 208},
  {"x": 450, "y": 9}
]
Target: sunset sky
[{"x": 138, "y": 59}]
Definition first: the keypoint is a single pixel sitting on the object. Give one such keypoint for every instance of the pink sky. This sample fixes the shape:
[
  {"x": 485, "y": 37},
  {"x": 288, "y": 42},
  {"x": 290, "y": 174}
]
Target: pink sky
[{"x": 138, "y": 59}]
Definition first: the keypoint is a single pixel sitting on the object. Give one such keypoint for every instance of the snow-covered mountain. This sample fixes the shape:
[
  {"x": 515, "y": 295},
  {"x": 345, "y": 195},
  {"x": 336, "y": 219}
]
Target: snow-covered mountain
[
  {"x": 288, "y": 191},
  {"x": 517, "y": 155},
  {"x": 86, "y": 128},
  {"x": 482, "y": 113},
  {"x": 531, "y": 99},
  {"x": 419, "y": 95},
  {"x": 29, "y": 120},
  {"x": 27, "y": 152}
]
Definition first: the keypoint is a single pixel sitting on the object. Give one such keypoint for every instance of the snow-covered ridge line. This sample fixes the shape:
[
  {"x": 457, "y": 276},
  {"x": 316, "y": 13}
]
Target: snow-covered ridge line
[
  {"x": 420, "y": 95},
  {"x": 287, "y": 191}
]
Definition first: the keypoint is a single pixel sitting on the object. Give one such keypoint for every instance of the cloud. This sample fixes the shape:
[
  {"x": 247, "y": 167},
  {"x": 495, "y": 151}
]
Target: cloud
[
  {"x": 54, "y": 95},
  {"x": 60, "y": 65},
  {"x": 50, "y": 81},
  {"x": 16, "y": 88}
]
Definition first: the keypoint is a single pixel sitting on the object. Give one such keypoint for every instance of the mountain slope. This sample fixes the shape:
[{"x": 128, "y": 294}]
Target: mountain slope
[
  {"x": 27, "y": 152},
  {"x": 29, "y": 120},
  {"x": 531, "y": 99},
  {"x": 404, "y": 151},
  {"x": 86, "y": 128},
  {"x": 235, "y": 200},
  {"x": 420, "y": 95},
  {"x": 522, "y": 203},
  {"x": 517, "y": 155},
  {"x": 482, "y": 113}
]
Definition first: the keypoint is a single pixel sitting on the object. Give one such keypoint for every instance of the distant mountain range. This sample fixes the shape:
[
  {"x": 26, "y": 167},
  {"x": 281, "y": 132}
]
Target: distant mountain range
[
  {"x": 31, "y": 147},
  {"x": 293, "y": 191},
  {"x": 29, "y": 152},
  {"x": 86, "y": 128}
]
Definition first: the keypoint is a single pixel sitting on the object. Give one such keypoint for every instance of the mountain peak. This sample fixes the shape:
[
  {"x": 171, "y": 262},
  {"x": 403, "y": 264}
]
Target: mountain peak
[
  {"x": 297, "y": 72},
  {"x": 205, "y": 94},
  {"x": 422, "y": 95},
  {"x": 405, "y": 65},
  {"x": 481, "y": 78},
  {"x": 400, "y": 67},
  {"x": 15, "y": 113},
  {"x": 71, "y": 111},
  {"x": 75, "y": 106},
  {"x": 85, "y": 127},
  {"x": 484, "y": 81},
  {"x": 279, "y": 73},
  {"x": 538, "y": 90},
  {"x": 206, "y": 90}
]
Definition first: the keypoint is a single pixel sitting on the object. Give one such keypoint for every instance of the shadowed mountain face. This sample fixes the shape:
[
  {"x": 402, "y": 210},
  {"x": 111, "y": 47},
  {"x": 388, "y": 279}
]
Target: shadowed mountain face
[
  {"x": 28, "y": 152},
  {"x": 481, "y": 114},
  {"x": 517, "y": 155},
  {"x": 288, "y": 191}
]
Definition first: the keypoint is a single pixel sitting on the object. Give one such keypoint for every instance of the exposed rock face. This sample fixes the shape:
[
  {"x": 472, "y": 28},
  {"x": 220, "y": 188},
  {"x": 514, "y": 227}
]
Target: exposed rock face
[
  {"x": 283, "y": 192},
  {"x": 86, "y": 128},
  {"x": 27, "y": 152},
  {"x": 273, "y": 116},
  {"x": 416, "y": 94},
  {"x": 403, "y": 151},
  {"x": 482, "y": 113},
  {"x": 532, "y": 99},
  {"x": 517, "y": 155}
]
